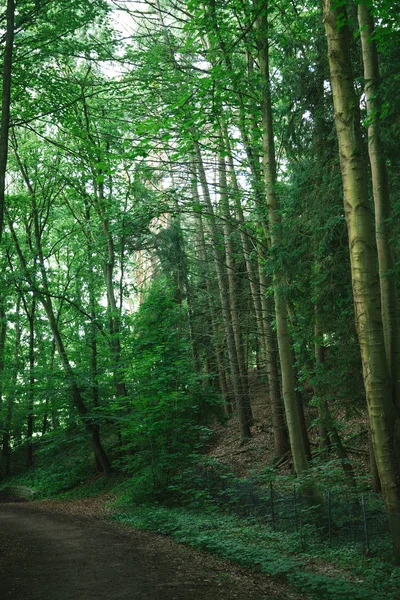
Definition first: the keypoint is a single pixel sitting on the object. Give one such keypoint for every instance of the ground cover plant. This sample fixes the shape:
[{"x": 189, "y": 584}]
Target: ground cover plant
[{"x": 199, "y": 272}]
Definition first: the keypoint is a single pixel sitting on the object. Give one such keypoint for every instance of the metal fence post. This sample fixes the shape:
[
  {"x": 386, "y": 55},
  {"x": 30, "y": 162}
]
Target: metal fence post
[
  {"x": 295, "y": 508},
  {"x": 364, "y": 510},
  {"x": 253, "y": 508},
  {"x": 271, "y": 487},
  {"x": 330, "y": 517}
]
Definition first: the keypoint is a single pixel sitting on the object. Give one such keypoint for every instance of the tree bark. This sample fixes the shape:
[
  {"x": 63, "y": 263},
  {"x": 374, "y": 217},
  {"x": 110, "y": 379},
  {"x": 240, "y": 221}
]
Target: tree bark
[
  {"x": 365, "y": 282},
  {"x": 5, "y": 105},
  {"x": 232, "y": 282},
  {"x": 45, "y": 298},
  {"x": 31, "y": 392},
  {"x": 269, "y": 165},
  {"x": 202, "y": 252},
  {"x": 266, "y": 335},
  {"x": 225, "y": 305},
  {"x": 3, "y": 334},
  {"x": 380, "y": 186}
]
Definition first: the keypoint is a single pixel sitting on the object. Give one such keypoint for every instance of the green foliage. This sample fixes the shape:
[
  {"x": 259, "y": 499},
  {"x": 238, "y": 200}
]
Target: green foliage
[
  {"x": 62, "y": 463},
  {"x": 253, "y": 545},
  {"x": 163, "y": 419}
]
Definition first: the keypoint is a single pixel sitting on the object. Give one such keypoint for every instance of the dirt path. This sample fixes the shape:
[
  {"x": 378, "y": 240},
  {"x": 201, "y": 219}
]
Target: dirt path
[{"x": 49, "y": 555}]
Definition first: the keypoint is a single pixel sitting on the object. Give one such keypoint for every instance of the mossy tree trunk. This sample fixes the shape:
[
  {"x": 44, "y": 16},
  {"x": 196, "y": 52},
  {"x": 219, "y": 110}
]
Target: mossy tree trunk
[
  {"x": 380, "y": 186},
  {"x": 363, "y": 258}
]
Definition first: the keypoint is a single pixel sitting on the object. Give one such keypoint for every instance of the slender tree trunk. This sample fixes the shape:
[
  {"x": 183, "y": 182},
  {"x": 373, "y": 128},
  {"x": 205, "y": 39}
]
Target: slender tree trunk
[
  {"x": 55, "y": 421},
  {"x": 329, "y": 435},
  {"x": 246, "y": 245},
  {"x": 218, "y": 351},
  {"x": 5, "y": 105},
  {"x": 380, "y": 185},
  {"x": 3, "y": 334},
  {"x": 100, "y": 205},
  {"x": 281, "y": 438},
  {"x": 201, "y": 243},
  {"x": 6, "y": 450},
  {"x": 365, "y": 282},
  {"x": 45, "y": 299},
  {"x": 92, "y": 336},
  {"x": 319, "y": 349},
  {"x": 114, "y": 314},
  {"x": 288, "y": 378},
  {"x": 232, "y": 283},
  {"x": 225, "y": 305},
  {"x": 94, "y": 369},
  {"x": 74, "y": 388},
  {"x": 216, "y": 40},
  {"x": 31, "y": 392}
]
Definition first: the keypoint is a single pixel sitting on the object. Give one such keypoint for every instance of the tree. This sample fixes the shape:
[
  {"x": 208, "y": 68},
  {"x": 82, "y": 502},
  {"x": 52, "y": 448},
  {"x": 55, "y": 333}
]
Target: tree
[{"x": 366, "y": 292}]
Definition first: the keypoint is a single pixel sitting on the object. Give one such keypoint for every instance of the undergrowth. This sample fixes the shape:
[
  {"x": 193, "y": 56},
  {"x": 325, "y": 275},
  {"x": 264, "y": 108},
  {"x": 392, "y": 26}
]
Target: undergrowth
[
  {"x": 202, "y": 516},
  {"x": 276, "y": 554}
]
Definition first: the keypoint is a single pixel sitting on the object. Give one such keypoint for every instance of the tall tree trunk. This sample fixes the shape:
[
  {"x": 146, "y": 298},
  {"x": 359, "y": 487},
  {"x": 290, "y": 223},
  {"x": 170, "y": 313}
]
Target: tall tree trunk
[
  {"x": 45, "y": 298},
  {"x": 31, "y": 391},
  {"x": 225, "y": 305},
  {"x": 281, "y": 438},
  {"x": 76, "y": 395},
  {"x": 380, "y": 186},
  {"x": 113, "y": 310},
  {"x": 266, "y": 335},
  {"x": 216, "y": 40},
  {"x": 329, "y": 435},
  {"x": 319, "y": 350},
  {"x": 6, "y": 438},
  {"x": 93, "y": 368},
  {"x": 288, "y": 378},
  {"x": 3, "y": 334},
  {"x": 217, "y": 349},
  {"x": 5, "y": 105},
  {"x": 365, "y": 282},
  {"x": 232, "y": 282}
]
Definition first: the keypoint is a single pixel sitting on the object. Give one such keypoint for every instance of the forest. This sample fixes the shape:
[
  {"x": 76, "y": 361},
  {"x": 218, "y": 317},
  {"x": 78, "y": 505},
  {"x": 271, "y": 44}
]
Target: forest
[{"x": 196, "y": 196}]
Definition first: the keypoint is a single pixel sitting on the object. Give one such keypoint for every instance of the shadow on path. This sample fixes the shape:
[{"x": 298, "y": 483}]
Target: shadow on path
[{"x": 46, "y": 555}]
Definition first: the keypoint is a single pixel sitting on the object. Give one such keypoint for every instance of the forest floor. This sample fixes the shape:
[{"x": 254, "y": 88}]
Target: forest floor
[
  {"x": 54, "y": 550},
  {"x": 258, "y": 453}
]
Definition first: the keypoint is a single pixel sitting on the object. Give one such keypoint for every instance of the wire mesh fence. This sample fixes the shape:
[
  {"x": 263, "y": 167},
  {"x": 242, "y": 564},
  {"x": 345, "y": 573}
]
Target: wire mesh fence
[{"x": 346, "y": 517}]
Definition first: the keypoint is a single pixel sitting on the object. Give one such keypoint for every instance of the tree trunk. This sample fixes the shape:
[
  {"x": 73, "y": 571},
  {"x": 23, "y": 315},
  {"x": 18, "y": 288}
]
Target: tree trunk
[
  {"x": 281, "y": 438},
  {"x": 266, "y": 336},
  {"x": 232, "y": 282},
  {"x": 365, "y": 282},
  {"x": 380, "y": 186},
  {"x": 31, "y": 391},
  {"x": 319, "y": 350},
  {"x": 225, "y": 305},
  {"x": 113, "y": 310},
  {"x": 329, "y": 435},
  {"x": 3, "y": 334},
  {"x": 5, "y": 105},
  {"x": 76, "y": 395},
  {"x": 288, "y": 378},
  {"x": 7, "y": 419},
  {"x": 212, "y": 326},
  {"x": 45, "y": 299}
]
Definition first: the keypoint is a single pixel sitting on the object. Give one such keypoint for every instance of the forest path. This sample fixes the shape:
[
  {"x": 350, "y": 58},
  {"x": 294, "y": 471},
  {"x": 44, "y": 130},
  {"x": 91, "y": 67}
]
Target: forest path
[{"x": 50, "y": 555}]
